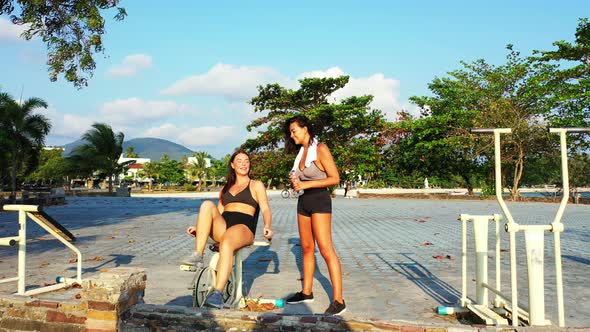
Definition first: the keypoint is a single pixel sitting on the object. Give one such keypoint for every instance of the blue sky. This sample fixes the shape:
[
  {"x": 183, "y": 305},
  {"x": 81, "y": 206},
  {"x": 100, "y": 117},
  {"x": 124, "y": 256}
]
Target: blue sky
[{"x": 185, "y": 71}]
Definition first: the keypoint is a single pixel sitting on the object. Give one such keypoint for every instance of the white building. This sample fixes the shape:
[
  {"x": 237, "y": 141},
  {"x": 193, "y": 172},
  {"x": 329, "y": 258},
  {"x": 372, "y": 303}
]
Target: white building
[{"x": 134, "y": 168}]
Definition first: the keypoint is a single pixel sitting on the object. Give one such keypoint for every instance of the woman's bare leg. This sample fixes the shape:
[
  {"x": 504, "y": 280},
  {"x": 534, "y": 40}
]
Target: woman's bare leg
[
  {"x": 233, "y": 239},
  {"x": 209, "y": 223},
  {"x": 321, "y": 224},
  {"x": 307, "y": 248}
]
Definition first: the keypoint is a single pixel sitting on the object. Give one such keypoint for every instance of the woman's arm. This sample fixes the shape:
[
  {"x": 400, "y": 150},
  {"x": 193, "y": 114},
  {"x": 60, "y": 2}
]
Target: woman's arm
[
  {"x": 326, "y": 162},
  {"x": 262, "y": 198},
  {"x": 220, "y": 204}
]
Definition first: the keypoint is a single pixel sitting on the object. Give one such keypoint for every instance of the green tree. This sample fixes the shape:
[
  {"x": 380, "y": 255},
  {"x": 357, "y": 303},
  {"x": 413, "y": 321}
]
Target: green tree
[
  {"x": 72, "y": 31},
  {"x": 151, "y": 171},
  {"x": 435, "y": 146},
  {"x": 169, "y": 170},
  {"x": 101, "y": 152},
  {"x": 53, "y": 169},
  {"x": 350, "y": 125},
  {"x": 482, "y": 95},
  {"x": 24, "y": 135},
  {"x": 219, "y": 169},
  {"x": 130, "y": 152},
  {"x": 569, "y": 87},
  {"x": 5, "y": 98},
  {"x": 271, "y": 167},
  {"x": 198, "y": 170}
]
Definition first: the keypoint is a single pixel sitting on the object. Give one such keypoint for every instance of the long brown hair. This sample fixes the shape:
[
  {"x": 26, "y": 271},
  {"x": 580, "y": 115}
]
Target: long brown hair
[
  {"x": 302, "y": 121},
  {"x": 230, "y": 179}
]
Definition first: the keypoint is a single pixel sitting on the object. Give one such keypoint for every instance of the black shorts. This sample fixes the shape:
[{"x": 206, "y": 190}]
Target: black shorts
[
  {"x": 314, "y": 200},
  {"x": 238, "y": 218}
]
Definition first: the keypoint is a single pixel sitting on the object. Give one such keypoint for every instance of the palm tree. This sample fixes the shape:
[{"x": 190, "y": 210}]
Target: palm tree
[
  {"x": 23, "y": 134},
  {"x": 102, "y": 152},
  {"x": 151, "y": 171},
  {"x": 198, "y": 169}
]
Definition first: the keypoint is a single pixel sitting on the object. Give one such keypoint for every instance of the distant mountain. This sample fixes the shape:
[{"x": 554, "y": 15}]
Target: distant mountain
[{"x": 152, "y": 148}]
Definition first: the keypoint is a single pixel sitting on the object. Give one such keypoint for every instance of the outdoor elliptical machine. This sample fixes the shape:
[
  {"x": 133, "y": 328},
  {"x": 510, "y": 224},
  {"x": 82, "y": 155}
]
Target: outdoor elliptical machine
[
  {"x": 203, "y": 281},
  {"x": 534, "y": 239}
]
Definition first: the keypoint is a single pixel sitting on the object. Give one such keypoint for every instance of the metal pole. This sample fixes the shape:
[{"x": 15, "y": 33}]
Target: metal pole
[
  {"x": 464, "y": 300},
  {"x": 480, "y": 229},
  {"x": 534, "y": 239},
  {"x": 497, "y": 300},
  {"x": 499, "y": 190},
  {"x": 22, "y": 251}
]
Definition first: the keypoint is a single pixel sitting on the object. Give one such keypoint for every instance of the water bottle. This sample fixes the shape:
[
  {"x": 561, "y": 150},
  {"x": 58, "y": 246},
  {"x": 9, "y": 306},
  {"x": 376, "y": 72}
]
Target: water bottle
[
  {"x": 278, "y": 303},
  {"x": 300, "y": 192}
]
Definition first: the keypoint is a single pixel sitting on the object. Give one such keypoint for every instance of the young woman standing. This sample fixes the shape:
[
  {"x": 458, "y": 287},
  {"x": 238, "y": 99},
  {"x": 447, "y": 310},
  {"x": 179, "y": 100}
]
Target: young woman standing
[{"x": 313, "y": 172}]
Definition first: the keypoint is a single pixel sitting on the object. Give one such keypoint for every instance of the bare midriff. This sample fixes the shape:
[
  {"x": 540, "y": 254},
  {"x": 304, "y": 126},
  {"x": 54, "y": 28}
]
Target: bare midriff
[{"x": 239, "y": 207}]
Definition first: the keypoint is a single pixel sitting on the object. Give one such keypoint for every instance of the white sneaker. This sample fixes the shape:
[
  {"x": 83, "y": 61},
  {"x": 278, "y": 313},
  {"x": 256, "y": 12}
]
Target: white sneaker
[{"x": 195, "y": 259}]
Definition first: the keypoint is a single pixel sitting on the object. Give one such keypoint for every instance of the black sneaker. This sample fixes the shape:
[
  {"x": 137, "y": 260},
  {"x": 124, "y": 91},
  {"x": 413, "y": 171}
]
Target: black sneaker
[
  {"x": 336, "y": 308},
  {"x": 299, "y": 297}
]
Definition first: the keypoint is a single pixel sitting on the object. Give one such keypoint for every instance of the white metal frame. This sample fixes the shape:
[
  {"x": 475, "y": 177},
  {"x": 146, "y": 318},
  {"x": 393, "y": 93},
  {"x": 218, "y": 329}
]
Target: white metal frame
[
  {"x": 21, "y": 240},
  {"x": 534, "y": 240},
  {"x": 236, "y": 299}
]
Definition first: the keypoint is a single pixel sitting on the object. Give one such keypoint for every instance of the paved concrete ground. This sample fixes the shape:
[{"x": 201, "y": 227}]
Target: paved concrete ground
[{"x": 389, "y": 272}]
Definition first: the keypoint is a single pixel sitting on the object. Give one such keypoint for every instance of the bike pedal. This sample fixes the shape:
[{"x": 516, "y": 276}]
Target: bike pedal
[{"x": 188, "y": 268}]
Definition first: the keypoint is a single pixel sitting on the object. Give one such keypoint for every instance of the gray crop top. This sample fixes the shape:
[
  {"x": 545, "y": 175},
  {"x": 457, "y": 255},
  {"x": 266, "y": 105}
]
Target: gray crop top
[{"x": 313, "y": 172}]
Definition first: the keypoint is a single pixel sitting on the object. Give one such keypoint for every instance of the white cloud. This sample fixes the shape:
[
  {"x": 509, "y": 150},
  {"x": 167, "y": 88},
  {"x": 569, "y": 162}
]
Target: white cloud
[
  {"x": 193, "y": 137},
  {"x": 385, "y": 91},
  {"x": 230, "y": 82},
  {"x": 10, "y": 31},
  {"x": 65, "y": 124},
  {"x": 131, "y": 66},
  {"x": 135, "y": 109}
]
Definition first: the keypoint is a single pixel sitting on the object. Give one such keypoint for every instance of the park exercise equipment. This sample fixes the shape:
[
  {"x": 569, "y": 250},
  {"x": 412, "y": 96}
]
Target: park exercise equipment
[
  {"x": 36, "y": 213},
  {"x": 203, "y": 282},
  {"x": 534, "y": 243}
]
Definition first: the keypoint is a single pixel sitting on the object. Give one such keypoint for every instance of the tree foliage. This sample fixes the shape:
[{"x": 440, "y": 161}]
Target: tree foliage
[
  {"x": 72, "y": 30},
  {"x": 101, "y": 152},
  {"x": 350, "y": 127},
  {"x": 481, "y": 95},
  {"x": 23, "y": 135},
  {"x": 569, "y": 91},
  {"x": 130, "y": 152},
  {"x": 198, "y": 170}
]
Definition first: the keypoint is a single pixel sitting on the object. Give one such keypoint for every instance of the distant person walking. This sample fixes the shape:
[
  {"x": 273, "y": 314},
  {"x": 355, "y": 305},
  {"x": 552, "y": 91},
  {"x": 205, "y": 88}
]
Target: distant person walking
[
  {"x": 346, "y": 187},
  {"x": 315, "y": 171}
]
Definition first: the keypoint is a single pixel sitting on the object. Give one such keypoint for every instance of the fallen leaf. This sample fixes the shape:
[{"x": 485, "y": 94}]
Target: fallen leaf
[
  {"x": 43, "y": 264},
  {"x": 255, "y": 305},
  {"x": 426, "y": 244},
  {"x": 95, "y": 258},
  {"x": 420, "y": 220},
  {"x": 442, "y": 257},
  {"x": 73, "y": 260},
  {"x": 78, "y": 296}
]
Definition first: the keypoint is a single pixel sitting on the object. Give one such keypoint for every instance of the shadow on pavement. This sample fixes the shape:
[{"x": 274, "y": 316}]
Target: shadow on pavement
[
  {"x": 257, "y": 264},
  {"x": 417, "y": 273},
  {"x": 298, "y": 254},
  {"x": 82, "y": 212}
]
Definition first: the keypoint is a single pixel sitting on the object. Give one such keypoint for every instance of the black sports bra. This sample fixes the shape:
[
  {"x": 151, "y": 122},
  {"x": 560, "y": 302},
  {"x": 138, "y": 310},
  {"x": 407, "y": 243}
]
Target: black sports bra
[{"x": 244, "y": 196}]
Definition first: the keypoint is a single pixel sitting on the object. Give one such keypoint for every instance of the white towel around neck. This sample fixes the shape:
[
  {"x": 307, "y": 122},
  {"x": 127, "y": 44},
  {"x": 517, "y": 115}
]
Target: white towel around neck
[{"x": 312, "y": 155}]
